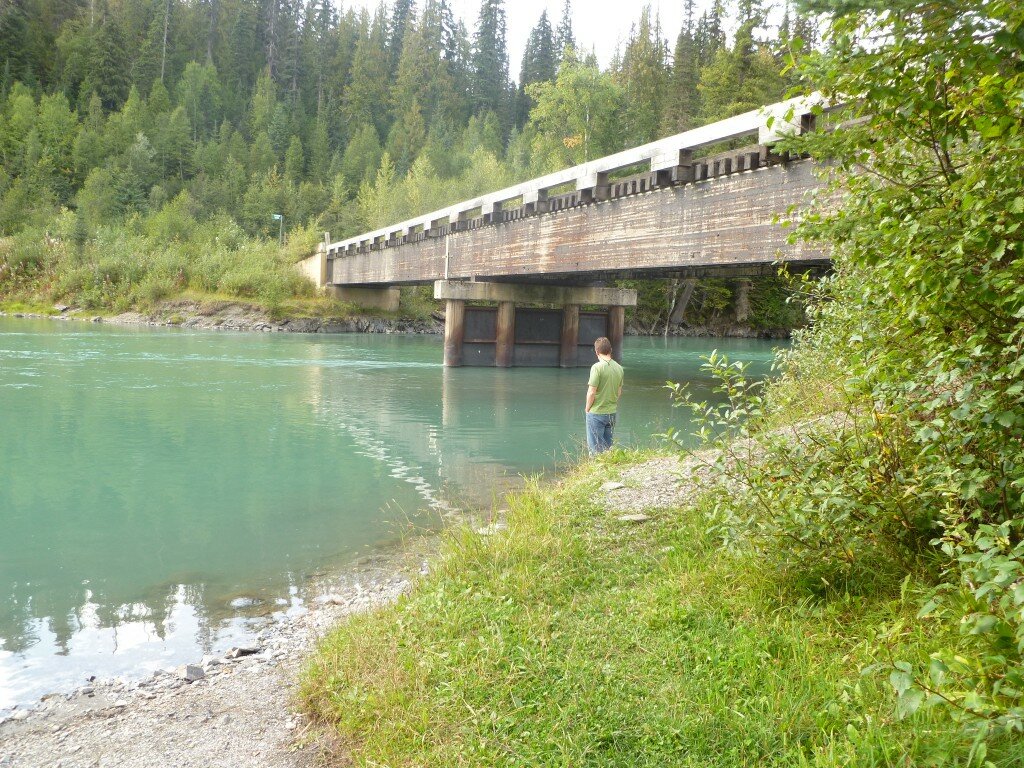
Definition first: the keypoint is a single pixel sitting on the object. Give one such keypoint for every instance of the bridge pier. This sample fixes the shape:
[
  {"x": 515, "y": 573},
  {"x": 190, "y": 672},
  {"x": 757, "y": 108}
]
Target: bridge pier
[
  {"x": 514, "y": 334},
  {"x": 454, "y": 330}
]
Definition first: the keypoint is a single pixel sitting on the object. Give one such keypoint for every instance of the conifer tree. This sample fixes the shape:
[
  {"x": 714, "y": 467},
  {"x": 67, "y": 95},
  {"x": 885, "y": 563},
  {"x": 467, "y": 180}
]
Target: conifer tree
[
  {"x": 682, "y": 103},
  {"x": 403, "y": 15},
  {"x": 565, "y": 39},
  {"x": 540, "y": 64},
  {"x": 643, "y": 76},
  {"x": 367, "y": 98},
  {"x": 490, "y": 83}
]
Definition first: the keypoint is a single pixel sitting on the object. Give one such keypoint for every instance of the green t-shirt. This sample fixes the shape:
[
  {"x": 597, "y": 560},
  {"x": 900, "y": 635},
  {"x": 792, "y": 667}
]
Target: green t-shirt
[{"x": 606, "y": 376}]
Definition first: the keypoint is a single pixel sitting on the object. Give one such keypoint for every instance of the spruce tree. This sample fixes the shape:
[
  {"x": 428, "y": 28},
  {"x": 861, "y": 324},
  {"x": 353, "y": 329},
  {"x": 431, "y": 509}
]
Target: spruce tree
[
  {"x": 565, "y": 39},
  {"x": 644, "y": 77},
  {"x": 683, "y": 100},
  {"x": 403, "y": 16},
  {"x": 540, "y": 64},
  {"x": 489, "y": 85},
  {"x": 367, "y": 97}
]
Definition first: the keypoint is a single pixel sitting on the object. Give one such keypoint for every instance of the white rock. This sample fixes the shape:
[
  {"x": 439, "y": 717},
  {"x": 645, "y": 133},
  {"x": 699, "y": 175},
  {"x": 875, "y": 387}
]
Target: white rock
[
  {"x": 612, "y": 486},
  {"x": 21, "y": 714},
  {"x": 332, "y": 600},
  {"x": 633, "y": 518},
  {"x": 237, "y": 653},
  {"x": 190, "y": 673}
]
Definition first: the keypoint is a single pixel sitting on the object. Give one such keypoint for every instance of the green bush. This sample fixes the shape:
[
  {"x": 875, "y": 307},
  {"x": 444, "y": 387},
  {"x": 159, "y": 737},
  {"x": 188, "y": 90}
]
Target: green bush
[{"x": 915, "y": 463}]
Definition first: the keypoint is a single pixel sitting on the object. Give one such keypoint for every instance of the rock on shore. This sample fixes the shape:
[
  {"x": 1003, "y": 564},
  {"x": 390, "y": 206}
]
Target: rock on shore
[
  {"x": 230, "y": 711},
  {"x": 237, "y": 316}
]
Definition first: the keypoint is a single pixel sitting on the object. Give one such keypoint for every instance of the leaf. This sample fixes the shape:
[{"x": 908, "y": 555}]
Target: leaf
[
  {"x": 909, "y": 702},
  {"x": 900, "y": 681}
]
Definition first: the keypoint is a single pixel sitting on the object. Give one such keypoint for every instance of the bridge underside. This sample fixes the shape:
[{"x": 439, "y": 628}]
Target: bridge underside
[{"x": 720, "y": 226}]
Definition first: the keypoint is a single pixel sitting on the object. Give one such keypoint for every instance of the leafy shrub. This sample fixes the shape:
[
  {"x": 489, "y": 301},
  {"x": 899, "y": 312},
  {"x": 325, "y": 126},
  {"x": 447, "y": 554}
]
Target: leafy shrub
[{"x": 917, "y": 465}]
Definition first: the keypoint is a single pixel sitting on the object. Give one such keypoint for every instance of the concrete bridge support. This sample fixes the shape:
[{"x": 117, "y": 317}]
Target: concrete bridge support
[
  {"x": 316, "y": 269},
  {"x": 513, "y": 334}
]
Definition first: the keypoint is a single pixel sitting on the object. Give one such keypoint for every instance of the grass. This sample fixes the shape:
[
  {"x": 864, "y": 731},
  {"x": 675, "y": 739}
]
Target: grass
[{"x": 576, "y": 639}]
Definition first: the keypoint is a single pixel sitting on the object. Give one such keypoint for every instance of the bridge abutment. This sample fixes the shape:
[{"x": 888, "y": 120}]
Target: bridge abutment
[
  {"x": 384, "y": 299},
  {"x": 518, "y": 333}
]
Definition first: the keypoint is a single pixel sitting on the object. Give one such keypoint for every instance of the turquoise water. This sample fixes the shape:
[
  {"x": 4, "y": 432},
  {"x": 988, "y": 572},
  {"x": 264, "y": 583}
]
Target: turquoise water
[{"x": 155, "y": 483}]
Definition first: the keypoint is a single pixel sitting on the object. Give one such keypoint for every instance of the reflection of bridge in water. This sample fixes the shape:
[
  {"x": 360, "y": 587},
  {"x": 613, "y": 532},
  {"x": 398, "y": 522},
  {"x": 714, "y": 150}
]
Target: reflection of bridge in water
[
  {"x": 450, "y": 449},
  {"x": 671, "y": 208}
]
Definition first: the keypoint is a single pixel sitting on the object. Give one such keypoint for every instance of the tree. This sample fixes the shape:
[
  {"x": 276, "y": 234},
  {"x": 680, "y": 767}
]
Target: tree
[
  {"x": 362, "y": 156},
  {"x": 644, "y": 77},
  {"x": 366, "y": 99},
  {"x": 683, "y": 98},
  {"x": 406, "y": 138},
  {"x": 577, "y": 118},
  {"x": 489, "y": 87},
  {"x": 565, "y": 39},
  {"x": 294, "y": 161},
  {"x": 744, "y": 78},
  {"x": 403, "y": 16},
  {"x": 108, "y": 66},
  {"x": 540, "y": 64},
  {"x": 57, "y": 127},
  {"x": 199, "y": 93},
  {"x": 923, "y": 321}
]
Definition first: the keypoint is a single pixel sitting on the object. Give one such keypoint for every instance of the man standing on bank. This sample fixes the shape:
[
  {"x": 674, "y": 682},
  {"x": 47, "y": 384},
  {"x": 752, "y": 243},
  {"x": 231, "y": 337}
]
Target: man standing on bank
[{"x": 603, "y": 392}]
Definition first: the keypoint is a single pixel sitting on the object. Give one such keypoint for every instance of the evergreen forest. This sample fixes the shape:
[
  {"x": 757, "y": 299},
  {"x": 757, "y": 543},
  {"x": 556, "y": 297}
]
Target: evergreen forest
[{"x": 150, "y": 148}]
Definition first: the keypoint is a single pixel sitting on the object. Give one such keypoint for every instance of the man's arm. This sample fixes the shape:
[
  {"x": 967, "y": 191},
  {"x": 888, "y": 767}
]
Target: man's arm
[{"x": 591, "y": 395}]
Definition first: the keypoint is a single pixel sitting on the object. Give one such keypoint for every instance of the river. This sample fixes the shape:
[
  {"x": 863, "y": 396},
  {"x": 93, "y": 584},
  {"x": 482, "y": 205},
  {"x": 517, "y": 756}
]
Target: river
[{"x": 161, "y": 491}]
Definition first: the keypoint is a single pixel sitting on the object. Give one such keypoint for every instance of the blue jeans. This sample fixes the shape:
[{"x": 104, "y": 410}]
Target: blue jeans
[{"x": 599, "y": 431}]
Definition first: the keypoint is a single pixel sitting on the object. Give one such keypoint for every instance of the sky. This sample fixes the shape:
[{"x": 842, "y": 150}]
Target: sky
[{"x": 598, "y": 24}]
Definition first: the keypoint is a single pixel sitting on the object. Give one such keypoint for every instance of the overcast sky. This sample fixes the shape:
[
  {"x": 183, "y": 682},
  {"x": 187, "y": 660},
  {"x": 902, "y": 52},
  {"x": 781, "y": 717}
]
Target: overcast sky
[{"x": 598, "y": 24}]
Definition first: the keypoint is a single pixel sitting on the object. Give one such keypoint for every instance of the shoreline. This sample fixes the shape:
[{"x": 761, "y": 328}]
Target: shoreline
[
  {"x": 239, "y": 316},
  {"x": 233, "y": 709}
]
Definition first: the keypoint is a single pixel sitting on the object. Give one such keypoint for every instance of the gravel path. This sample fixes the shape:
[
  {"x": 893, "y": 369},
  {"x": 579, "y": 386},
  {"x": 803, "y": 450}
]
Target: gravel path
[
  {"x": 240, "y": 713},
  {"x": 660, "y": 483}
]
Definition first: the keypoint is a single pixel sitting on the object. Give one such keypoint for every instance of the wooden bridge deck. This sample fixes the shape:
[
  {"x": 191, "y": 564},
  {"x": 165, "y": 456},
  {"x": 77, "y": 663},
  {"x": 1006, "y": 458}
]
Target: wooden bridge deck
[{"x": 725, "y": 223}]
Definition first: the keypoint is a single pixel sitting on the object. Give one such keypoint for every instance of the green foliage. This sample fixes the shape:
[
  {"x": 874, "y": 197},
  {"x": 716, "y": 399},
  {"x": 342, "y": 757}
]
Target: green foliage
[
  {"x": 261, "y": 109},
  {"x": 576, "y": 116},
  {"x": 573, "y": 638},
  {"x": 911, "y": 464}
]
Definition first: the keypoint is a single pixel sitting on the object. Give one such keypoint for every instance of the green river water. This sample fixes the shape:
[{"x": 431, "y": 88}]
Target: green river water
[{"x": 155, "y": 484}]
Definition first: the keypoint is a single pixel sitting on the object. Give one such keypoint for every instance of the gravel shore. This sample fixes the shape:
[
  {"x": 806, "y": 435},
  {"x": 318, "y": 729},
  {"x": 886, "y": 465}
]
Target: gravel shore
[{"x": 219, "y": 712}]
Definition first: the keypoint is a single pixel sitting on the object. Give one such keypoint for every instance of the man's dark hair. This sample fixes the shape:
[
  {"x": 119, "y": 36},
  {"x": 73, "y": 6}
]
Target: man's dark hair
[{"x": 602, "y": 346}]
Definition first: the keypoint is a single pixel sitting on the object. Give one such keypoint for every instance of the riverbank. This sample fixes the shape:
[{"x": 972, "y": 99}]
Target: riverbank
[
  {"x": 608, "y": 625},
  {"x": 234, "y": 710},
  {"x": 221, "y": 314},
  {"x": 601, "y": 622}
]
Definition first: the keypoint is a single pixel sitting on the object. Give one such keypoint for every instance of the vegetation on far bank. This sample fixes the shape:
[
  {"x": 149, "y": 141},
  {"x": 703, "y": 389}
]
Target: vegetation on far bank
[
  {"x": 848, "y": 590},
  {"x": 150, "y": 148}
]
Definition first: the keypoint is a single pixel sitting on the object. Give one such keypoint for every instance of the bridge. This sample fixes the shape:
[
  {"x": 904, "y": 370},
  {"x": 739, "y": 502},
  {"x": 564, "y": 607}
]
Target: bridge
[{"x": 701, "y": 203}]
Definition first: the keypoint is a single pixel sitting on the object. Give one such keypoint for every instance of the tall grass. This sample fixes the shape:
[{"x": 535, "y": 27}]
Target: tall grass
[{"x": 576, "y": 639}]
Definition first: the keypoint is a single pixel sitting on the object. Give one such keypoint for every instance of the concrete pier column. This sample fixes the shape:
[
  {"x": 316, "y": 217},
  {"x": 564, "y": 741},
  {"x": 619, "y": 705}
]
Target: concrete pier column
[
  {"x": 742, "y": 300},
  {"x": 570, "y": 336},
  {"x": 506, "y": 334},
  {"x": 454, "y": 331},
  {"x": 616, "y": 327}
]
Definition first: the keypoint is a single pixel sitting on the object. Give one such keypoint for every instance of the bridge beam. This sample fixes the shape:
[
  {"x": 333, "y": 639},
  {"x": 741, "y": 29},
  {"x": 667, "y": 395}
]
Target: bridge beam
[{"x": 507, "y": 336}]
